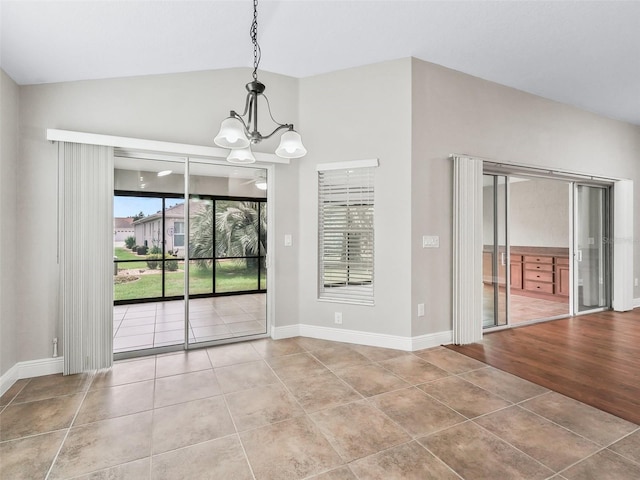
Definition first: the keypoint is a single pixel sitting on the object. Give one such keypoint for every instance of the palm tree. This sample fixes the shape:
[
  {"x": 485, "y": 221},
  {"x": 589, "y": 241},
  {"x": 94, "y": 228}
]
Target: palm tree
[
  {"x": 201, "y": 238},
  {"x": 240, "y": 231}
]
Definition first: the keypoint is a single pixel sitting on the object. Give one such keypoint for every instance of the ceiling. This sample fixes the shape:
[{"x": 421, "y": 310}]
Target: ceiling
[{"x": 584, "y": 53}]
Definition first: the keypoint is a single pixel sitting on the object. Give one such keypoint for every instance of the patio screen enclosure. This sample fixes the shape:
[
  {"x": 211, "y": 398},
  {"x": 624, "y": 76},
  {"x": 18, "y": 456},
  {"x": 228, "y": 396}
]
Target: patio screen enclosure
[{"x": 227, "y": 246}]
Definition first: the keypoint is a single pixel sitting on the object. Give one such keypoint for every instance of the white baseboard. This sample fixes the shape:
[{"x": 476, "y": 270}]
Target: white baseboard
[
  {"x": 8, "y": 379},
  {"x": 29, "y": 369},
  {"x": 355, "y": 336},
  {"x": 363, "y": 338},
  {"x": 431, "y": 340},
  {"x": 286, "y": 331},
  {"x": 636, "y": 302}
]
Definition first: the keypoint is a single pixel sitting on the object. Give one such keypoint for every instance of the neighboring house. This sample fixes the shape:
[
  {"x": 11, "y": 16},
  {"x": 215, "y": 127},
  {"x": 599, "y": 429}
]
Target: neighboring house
[
  {"x": 149, "y": 231},
  {"x": 122, "y": 228}
]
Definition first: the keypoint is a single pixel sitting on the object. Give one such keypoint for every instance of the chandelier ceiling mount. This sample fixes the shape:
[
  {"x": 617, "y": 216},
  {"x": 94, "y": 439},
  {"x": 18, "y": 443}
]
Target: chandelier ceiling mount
[{"x": 239, "y": 134}]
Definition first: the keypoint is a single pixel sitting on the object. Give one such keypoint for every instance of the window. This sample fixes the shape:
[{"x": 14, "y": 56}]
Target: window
[
  {"x": 178, "y": 234},
  {"x": 345, "y": 231}
]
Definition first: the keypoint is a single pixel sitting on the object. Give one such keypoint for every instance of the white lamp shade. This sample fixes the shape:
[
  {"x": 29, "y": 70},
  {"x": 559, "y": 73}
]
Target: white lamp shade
[
  {"x": 261, "y": 183},
  {"x": 231, "y": 134},
  {"x": 291, "y": 145},
  {"x": 241, "y": 156}
]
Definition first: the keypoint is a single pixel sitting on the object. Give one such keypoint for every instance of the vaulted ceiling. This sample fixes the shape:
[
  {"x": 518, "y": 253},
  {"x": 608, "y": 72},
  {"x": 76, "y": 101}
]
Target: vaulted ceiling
[{"x": 584, "y": 53}]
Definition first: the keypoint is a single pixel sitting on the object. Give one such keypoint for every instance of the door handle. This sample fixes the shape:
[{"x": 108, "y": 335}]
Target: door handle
[
  {"x": 502, "y": 259},
  {"x": 579, "y": 255}
]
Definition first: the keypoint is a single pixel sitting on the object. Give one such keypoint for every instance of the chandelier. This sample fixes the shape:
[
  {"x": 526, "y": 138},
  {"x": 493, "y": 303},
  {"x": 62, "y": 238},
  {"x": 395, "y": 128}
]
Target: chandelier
[{"x": 238, "y": 133}]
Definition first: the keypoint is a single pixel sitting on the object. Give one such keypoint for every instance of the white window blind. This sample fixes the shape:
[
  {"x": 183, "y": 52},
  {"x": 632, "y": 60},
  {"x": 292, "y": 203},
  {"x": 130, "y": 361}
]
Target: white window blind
[{"x": 346, "y": 234}]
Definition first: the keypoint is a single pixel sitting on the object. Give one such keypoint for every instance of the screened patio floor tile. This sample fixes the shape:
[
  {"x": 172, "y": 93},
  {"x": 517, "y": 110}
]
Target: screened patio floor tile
[
  {"x": 127, "y": 331},
  {"x": 147, "y": 312},
  {"x": 248, "y": 327},
  {"x": 131, "y": 322},
  {"x": 150, "y": 325},
  {"x": 133, "y": 342}
]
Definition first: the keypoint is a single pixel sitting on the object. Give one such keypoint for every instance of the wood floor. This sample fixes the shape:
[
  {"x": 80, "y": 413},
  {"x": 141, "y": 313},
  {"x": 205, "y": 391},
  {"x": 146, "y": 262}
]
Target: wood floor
[{"x": 592, "y": 358}]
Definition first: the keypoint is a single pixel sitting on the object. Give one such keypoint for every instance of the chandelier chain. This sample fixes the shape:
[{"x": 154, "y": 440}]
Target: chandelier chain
[{"x": 253, "y": 32}]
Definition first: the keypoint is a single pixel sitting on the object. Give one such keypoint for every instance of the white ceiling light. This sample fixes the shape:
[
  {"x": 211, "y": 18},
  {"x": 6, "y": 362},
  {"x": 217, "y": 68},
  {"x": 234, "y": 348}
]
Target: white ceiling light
[
  {"x": 236, "y": 133},
  {"x": 261, "y": 183},
  {"x": 241, "y": 156},
  {"x": 164, "y": 173}
]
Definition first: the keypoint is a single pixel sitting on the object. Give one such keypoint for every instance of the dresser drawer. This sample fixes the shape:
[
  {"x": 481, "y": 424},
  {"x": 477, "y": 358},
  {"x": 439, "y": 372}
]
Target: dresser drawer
[
  {"x": 546, "y": 267},
  {"x": 538, "y": 276},
  {"x": 538, "y": 286},
  {"x": 562, "y": 261},
  {"x": 537, "y": 259}
]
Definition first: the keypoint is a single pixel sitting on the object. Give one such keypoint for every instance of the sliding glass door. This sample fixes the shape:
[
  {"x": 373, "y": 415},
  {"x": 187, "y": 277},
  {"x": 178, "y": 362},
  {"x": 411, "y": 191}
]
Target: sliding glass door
[
  {"x": 188, "y": 272},
  {"x": 227, "y": 253},
  {"x": 495, "y": 253},
  {"x": 591, "y": 249}
]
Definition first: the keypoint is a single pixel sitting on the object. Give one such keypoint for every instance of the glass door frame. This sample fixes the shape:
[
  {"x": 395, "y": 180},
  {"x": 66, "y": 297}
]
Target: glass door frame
[
  {"x": 574, "y": 181},
  {"x": 500, "y": 255},
  {"x": 269, "y": 307},
  {"x": 607, "y": 251},
  {"x": 188, "y": 345}
]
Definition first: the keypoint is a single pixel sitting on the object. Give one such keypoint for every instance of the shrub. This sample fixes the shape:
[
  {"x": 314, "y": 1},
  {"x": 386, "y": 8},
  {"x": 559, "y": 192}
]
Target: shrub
[
  {"x": 171, "y": 264},
  {"x": 153, "y": 260},
  {"x": 142, "y": 250},
  {"x": 130, "y": 242},
  {"x": 155, "y": 250}
]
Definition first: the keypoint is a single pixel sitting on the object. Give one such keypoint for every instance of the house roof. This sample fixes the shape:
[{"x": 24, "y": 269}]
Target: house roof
[
  {"x": 177, "y": 211},
  {"x": 123, "y": 222}
]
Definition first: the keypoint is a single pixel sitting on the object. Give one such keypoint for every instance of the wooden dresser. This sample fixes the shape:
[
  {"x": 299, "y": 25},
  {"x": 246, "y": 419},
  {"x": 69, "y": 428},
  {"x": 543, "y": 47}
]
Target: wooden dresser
[
  {"x": 544, "y": 271},
  {"x": 535, "y": 271}
]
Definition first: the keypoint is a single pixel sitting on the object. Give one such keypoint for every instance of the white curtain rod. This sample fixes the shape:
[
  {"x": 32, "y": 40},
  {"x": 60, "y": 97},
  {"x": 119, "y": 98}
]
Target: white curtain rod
[{"x": 54, "y": 135}]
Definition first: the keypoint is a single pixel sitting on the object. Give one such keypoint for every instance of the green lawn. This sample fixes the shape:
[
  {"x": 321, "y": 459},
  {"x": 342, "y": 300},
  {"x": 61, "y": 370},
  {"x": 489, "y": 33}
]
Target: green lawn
[
  {"x": 126, "y": 254},
  {"x": 231, "y": 276}
]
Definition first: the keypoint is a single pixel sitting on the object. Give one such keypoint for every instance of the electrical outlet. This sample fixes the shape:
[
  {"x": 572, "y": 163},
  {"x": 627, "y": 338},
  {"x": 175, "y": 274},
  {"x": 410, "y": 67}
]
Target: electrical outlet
[
  {"x": 337, "y": 318},
  {"x": 288, "y": 240},
  {"x": 421, "y": 309}
]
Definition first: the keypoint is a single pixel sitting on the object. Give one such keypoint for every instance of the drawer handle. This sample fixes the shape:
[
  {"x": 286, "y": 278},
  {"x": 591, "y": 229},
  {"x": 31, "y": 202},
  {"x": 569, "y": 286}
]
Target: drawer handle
[{"x": 538, "y": 286}]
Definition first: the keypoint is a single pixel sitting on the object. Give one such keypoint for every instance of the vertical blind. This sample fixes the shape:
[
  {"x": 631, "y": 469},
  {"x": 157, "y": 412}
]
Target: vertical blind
[
  {"x": 86, "y": 256},
  {"x": 467, "y": 250},
  {"x": 346, "y": 235}
]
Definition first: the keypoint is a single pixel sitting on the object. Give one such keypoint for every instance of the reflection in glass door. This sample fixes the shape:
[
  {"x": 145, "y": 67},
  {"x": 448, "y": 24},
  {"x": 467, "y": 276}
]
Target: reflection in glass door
[
  {"x": 227, "y": 231},
  {"x": 215, "y": 244},
  {"x": 495, "y": 253},
  {"x": 591, "y": 250},
  {"x": 149, "y": 251}
]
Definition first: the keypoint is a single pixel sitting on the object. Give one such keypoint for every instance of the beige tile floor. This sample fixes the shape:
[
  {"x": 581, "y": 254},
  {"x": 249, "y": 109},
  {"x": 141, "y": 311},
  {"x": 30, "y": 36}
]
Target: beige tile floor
[
  {"x": 158, "y": 324},
  {"x": 303, "y": 408}
]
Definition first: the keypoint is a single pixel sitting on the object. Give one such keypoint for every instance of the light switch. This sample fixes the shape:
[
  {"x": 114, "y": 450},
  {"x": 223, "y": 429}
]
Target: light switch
[
  {"x": 430, "y": 241},
  {"x": 287, "y": 240}
]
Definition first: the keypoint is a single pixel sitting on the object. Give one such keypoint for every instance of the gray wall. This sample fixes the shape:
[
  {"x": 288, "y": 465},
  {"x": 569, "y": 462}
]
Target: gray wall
[
  {"x": 9, "y": 324},
  {"x": 538, "y": 215},
  {"x": 456, "y": 113},
  {"x": 408, "y": 113},
  {"x": 357, "y": 114},
  {"x": 183, "y": 108}
]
